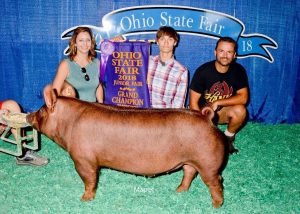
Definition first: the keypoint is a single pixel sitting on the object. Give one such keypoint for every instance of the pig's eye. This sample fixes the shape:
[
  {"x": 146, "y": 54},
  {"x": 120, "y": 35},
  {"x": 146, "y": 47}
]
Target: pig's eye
[{"x": 42, "y": 112}]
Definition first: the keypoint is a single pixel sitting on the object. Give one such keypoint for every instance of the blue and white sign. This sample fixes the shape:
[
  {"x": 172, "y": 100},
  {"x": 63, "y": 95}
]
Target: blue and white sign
[{"x": 186, "y": 20}]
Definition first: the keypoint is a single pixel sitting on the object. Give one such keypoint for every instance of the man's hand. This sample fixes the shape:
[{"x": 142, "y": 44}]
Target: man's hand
[{"x": 216, "y": 106}]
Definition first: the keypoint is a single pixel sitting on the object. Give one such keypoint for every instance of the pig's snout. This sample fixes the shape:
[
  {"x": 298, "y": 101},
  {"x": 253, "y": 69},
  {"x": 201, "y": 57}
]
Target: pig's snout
[{"x": 31, "y": 119}]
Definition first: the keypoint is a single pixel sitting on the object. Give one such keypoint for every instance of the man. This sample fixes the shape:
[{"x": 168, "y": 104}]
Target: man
[
  {"x": 167, "y": 78},
  {"x": 30, "y": 157},
  {"x": 223, "y": 84}
]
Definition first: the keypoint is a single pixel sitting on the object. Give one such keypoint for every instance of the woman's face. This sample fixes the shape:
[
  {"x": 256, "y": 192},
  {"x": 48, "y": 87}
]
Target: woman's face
[{"x": 83, "y": 42}]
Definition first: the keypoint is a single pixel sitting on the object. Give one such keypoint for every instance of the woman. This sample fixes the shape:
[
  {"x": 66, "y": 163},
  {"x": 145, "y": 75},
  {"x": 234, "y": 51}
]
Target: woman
[{"x": 81, "y": 69}]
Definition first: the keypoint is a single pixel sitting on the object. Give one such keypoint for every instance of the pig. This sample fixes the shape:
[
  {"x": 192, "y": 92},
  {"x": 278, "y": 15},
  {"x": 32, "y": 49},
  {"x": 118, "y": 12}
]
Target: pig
[{"x": 146, "y": 142}]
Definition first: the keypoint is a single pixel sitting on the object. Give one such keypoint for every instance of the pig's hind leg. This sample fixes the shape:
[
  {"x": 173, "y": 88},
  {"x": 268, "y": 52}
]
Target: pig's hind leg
[
  {"x": 209, "y": 176},
  {"x": 89, "y": 174},
  {"x": 214, "y": 182},
  {"x": 189, "y": 173}
]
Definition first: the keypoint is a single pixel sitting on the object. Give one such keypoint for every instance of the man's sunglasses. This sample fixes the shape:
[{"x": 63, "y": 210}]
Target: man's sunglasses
[{"x": 86, "y": 76}]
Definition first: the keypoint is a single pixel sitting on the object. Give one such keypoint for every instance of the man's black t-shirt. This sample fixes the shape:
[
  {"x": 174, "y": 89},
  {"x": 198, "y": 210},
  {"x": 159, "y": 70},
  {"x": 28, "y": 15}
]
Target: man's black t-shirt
[{"x": 213, "y": 85}]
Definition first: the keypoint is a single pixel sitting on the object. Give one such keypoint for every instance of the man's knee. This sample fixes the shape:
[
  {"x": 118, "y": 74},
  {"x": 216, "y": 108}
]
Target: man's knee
[
  {"x": 238, "y": 112},
  {"x": 12, "y": 106}
]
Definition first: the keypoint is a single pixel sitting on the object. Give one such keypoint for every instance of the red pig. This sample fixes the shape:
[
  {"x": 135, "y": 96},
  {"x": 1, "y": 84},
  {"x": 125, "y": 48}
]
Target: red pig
[{"x": 140, "y": 141}]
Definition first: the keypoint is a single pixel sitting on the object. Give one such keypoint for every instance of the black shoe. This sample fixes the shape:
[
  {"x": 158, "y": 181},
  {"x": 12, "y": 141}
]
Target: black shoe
[{"x": 231, "y": 148}]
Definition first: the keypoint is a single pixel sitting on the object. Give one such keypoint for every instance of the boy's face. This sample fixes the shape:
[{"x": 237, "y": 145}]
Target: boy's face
[{"x": 166, "y": 44}]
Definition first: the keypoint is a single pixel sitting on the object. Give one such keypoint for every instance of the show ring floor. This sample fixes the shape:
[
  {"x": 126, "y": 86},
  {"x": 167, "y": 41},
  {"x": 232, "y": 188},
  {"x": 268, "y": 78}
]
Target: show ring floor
[{"x": 262, "y": 178}]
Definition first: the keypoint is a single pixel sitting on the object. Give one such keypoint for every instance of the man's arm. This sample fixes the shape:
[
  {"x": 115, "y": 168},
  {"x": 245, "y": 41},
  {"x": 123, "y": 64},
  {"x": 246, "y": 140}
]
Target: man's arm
[
  {"x": 241, "y": 98},
  {"x": 194, "y": 99}
]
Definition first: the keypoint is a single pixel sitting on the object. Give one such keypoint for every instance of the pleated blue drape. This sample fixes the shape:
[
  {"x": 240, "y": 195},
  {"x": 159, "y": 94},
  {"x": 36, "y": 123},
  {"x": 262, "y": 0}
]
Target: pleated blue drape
[{"x": 31, "y": 48}]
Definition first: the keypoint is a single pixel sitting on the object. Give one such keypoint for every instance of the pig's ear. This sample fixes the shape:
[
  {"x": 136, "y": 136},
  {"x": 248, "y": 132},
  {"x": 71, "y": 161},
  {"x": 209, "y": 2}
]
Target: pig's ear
[
  {"x": 50, "y": 97},
  {"x": 208, "y": 112}
]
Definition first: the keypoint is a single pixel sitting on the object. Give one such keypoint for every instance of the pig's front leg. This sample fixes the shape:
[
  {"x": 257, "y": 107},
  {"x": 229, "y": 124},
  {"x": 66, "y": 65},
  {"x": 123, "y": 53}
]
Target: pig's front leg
[
  {"x": 89, "y": 174},
  {"x": 189, "y": 173}
]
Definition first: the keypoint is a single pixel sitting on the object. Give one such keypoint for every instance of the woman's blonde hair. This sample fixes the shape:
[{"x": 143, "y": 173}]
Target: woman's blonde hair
[{"x": 72, "y": 42}]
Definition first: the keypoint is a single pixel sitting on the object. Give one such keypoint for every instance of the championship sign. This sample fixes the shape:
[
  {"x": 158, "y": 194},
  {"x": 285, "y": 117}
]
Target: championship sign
[
  {"x": 186, "y": 20},
  {"x": 123, "y": 70}
]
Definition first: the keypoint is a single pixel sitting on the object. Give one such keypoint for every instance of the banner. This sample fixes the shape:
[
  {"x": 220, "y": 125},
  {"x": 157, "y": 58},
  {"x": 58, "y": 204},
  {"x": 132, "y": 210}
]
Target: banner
[
  {"x": 123, "y": 70},
  {"x": 186, "y": 20}
]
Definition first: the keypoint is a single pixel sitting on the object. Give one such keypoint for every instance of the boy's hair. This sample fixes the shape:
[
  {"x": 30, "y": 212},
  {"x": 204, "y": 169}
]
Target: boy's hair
[{"x": 169, "y": 31}]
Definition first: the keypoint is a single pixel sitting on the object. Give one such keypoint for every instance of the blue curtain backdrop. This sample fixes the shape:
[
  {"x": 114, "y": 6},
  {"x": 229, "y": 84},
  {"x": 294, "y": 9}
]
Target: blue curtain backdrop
[{"x": 31, "y": 48}]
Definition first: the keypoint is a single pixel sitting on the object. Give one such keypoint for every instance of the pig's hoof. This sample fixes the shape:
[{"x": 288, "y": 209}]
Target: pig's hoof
[
  {"x": 217, "y": 204},
  {"x": 88, "y": 197},
  {"x": 181, "y": 189}
]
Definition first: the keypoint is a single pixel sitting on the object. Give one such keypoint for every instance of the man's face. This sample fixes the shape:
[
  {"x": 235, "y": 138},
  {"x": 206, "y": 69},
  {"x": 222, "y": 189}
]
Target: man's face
[
  {"x": 166, "y": 44},
  {"x": 225, "y": 53}
]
